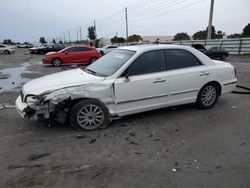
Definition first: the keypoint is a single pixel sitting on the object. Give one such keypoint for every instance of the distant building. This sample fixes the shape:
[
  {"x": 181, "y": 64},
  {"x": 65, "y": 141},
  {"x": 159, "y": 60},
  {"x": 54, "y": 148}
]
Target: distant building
[{"x": 160, "y": 39}]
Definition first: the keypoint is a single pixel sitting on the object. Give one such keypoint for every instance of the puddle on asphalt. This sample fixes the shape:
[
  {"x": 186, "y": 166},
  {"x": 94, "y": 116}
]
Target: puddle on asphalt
[{"x": 11, "y": 78}]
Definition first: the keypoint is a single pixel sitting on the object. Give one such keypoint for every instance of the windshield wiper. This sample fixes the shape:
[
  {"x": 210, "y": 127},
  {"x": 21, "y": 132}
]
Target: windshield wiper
[
  {"x": 90, "y": 71},
  {"x": 94, "y": 73}
]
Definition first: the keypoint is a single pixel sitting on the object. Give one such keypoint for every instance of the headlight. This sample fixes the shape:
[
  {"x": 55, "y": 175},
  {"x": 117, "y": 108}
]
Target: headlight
[{"x": 32, "y": 100}]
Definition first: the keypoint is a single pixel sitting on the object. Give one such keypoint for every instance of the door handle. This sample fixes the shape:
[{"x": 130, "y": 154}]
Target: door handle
[
  {"x": 159, "y": 81},
  {"x": 204, "y": 73}
]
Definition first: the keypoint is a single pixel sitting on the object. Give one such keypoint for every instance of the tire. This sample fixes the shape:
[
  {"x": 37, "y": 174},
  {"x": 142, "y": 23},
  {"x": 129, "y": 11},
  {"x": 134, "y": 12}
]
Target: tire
[
  {"x": 89, "y": 114},
  {"x": 207, "y": 96},
  {"x": 57, "y": 62},
  {"x": 102, "y": 53},
  {"x": 6, "y": 52},
  {"x": 223, "y": 56},
  {"x": 42, "y": 52},
  {"x": 93, "y": 59}
]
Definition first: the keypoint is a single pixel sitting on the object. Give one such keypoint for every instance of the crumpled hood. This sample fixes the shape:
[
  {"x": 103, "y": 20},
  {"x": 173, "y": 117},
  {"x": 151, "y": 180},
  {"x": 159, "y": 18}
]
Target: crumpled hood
[{"x": 59, "y": 80}]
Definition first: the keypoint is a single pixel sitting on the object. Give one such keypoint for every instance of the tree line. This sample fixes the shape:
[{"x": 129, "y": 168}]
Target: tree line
[{"x": 201, "y": 35}]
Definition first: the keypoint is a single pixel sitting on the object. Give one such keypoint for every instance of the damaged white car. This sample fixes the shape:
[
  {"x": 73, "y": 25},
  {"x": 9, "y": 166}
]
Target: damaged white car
[{"x": 127, "y": 80}]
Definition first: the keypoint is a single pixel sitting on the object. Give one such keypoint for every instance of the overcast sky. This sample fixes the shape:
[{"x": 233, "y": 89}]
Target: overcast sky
[{"x": 27, "y": 20}]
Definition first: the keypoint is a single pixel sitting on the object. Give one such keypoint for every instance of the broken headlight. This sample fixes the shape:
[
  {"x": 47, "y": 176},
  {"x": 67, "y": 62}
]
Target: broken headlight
[{"x": 32, "y": 100}]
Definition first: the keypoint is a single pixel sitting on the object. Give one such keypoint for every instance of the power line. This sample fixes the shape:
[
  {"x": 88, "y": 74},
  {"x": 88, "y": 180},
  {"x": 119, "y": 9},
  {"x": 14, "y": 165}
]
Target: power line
[
  {"x": 171, "y": 11},
  {"x": 155, "y": 4},
  {"x": 158, "y": 8}
]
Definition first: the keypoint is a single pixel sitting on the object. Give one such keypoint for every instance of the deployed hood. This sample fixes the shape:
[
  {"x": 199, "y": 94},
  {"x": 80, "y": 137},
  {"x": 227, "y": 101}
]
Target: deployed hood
[{"x": 59, "y": 80}]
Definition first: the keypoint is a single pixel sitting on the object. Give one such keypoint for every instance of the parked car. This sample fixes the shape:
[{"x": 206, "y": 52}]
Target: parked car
[
  {"x": 127, "y": 80},
  {"x": 5, "y": 49},
  {"x": 106, "y": 49},
  {"x": 73, "y": 54},
  {"x": 212, "y": 52},
  {"x": 24, "y": 45},
  {"x": 46, "y": 48}
]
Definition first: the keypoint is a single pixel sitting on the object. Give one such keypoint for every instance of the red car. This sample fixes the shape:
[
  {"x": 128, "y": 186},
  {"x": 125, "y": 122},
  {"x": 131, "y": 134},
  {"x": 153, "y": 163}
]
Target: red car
[{"x": 72, "y": 55}]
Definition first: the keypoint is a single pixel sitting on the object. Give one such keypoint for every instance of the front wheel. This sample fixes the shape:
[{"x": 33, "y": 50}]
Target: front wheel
[
  {"x": 207, "y": 96},
  {"x": 57, "y": 62},
  {"x": 89, "y": 115},
  {"x": 6, "y": 52}
]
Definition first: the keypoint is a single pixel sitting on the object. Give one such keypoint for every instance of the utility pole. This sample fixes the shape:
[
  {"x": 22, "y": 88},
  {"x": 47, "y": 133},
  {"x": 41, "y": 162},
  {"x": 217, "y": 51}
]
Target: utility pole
[
  {"x": 64, "y": 38},
  {"x": 126, "y": 17},
  {"x": 95, "y": 30},
  {"x": 69, "y": 36},
  {"x": 209, "y": 32},
  {"x": 80, "y": 33},
  {"x": 76, "y": 34}
]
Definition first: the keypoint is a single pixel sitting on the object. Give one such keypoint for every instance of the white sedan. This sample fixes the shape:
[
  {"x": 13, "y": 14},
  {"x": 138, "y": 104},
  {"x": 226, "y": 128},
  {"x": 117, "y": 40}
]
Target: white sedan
[
  {"x": 106, "y": 49},
  {"x": 5, "y": 49},
  {"x": 127, "y": 80}
]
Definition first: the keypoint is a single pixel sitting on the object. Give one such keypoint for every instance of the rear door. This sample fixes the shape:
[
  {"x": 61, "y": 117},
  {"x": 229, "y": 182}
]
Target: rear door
[
  {"x": 85, "y": 55},
  {"x": 143, "y": 85},
  {"x": 186, "y": 75}
]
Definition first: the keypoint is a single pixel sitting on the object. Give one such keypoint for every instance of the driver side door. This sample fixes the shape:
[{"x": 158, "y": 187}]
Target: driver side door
[{"x": 143, "y": 86}]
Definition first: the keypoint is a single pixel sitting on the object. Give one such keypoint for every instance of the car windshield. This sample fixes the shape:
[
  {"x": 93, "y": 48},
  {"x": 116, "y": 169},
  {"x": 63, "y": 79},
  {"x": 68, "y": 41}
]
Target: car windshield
[
  {"x": 110, "y": 63},
  {"x": 64, "y": 49}
]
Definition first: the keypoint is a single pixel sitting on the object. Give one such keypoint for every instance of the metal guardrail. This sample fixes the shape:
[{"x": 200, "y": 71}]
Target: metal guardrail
[{"x": 233, "y": 46}]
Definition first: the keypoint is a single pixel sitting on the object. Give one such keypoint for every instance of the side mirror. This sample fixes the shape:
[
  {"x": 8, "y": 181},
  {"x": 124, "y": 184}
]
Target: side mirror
[
  {"x": 126, "y": 78},
  {"x": 66, "y": 52}
]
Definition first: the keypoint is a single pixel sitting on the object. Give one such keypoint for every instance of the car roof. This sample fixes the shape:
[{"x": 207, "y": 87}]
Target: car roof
[{"x": 146, "y": 47}]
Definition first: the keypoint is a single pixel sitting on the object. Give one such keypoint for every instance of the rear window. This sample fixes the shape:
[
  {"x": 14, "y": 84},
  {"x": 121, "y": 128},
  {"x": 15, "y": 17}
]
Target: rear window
[{"x": 179, "y": 58}]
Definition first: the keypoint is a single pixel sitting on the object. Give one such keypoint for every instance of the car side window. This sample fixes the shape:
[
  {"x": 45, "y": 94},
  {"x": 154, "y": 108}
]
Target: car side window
[
  {"x": 149, "y": 62},
  {"x": 179, "y": 58},
  {"x": 213, "y": 48},
  {"x": 1, "y": 46},
  {"x": 84, "y": 49},
  {"x": 73, "y": 49},
  {"x": 112, "y": 47}
]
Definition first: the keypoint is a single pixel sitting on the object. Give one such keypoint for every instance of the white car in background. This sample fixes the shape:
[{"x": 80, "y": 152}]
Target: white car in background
[
  {"x": 126, "y": 81},
  {"x": 106, "y": 49},
  {"x": 5, "y": 49}
]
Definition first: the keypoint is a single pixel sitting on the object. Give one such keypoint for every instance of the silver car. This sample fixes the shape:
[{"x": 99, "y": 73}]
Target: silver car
[{"x": 6, "y": 49}]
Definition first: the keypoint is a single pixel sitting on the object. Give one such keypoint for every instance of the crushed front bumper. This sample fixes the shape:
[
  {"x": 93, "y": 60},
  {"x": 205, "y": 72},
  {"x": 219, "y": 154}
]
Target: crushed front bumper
[
  {"x": 28, "y": 113},
  {"x": 20, "y": 106}
]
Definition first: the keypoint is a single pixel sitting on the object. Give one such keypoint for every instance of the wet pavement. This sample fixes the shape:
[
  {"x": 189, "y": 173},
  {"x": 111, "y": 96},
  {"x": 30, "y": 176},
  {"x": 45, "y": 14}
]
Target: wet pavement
[
  {"x": 11, "y": 78},
  {"x": 171, "y": 147}
]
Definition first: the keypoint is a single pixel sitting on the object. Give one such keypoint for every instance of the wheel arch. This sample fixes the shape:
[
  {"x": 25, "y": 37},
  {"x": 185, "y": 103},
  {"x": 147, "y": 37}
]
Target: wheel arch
[
  {"x": 70, "y": 103},
  {"x": 56, "y": 58},
  {"x": 216, "y": 83}
]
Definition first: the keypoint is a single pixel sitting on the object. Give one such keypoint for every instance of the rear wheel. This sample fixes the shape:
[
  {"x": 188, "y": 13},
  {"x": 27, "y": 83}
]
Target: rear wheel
[
  {"x": 208, "y": 96},
  {"x": 6, "y": 52},
  {"x": 93, "y": 59},
  {"x": 89, "y": 114},
  {"x": 57, "y": 62}
]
